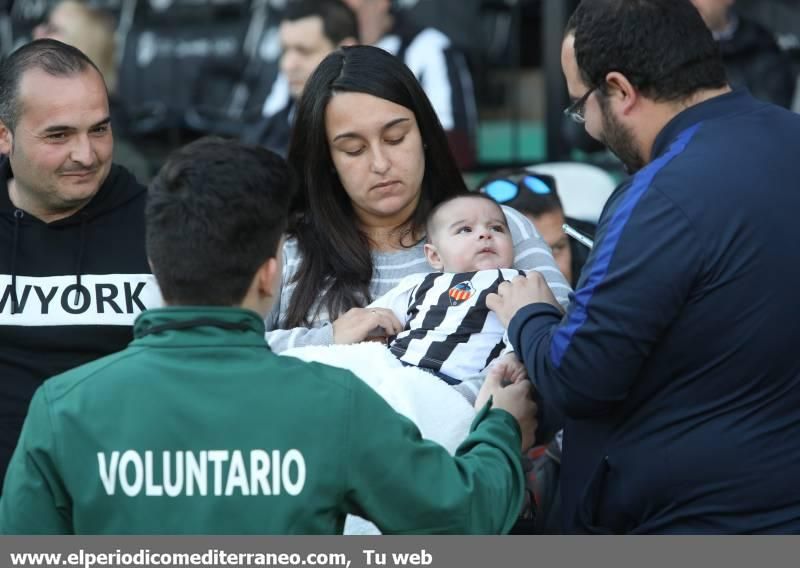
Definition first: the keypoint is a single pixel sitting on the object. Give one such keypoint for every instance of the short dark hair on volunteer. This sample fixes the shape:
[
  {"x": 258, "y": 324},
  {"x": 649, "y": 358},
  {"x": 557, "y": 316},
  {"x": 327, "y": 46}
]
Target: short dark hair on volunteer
[{"x": 215, "y": 212}]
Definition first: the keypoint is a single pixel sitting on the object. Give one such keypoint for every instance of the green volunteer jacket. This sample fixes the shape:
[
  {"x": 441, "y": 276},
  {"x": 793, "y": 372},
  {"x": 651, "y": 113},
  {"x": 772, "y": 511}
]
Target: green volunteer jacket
[{"x": 197, "y": 427}]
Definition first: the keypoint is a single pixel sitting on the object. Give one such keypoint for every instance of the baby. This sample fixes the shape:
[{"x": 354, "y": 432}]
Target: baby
[{"x": 448, "y": 330}]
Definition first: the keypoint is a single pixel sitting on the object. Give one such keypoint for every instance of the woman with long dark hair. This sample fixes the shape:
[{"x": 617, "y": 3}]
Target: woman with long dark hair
[{"x": 370, "y": 161}]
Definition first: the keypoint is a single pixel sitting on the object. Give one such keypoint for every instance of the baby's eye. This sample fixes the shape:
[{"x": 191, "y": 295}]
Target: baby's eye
[
  {"x": 464, "y": 230},
  {"x": 499, "y": 228}
]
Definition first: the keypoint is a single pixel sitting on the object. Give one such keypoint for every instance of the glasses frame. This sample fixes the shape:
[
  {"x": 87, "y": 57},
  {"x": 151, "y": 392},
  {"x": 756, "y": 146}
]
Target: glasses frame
[{"x": 577, "y": 110}]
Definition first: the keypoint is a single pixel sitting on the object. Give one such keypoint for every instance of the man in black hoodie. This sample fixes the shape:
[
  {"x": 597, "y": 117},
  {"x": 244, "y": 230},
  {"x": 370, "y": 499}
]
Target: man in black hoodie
[{"x": 73, "y": 268}]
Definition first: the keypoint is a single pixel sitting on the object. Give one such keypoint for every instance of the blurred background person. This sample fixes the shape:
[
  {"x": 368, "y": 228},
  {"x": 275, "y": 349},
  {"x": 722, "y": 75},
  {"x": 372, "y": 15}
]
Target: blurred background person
[
  {"x": 750, "y": 53},
  {"x": 310, "y": 30}
]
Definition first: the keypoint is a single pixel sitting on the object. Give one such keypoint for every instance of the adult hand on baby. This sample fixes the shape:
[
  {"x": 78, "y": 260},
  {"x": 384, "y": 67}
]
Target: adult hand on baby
[
  {"x": 508, "y": 368},
  {"x": 521, "y": 291},
  {"x": 517, "y": 400},
  {"x": 357, "y": 324}
]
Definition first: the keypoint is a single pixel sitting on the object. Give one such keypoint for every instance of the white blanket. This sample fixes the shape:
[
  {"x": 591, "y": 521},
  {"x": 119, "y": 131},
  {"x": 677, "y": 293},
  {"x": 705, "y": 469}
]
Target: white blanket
[{"x": 440, "y": 413}]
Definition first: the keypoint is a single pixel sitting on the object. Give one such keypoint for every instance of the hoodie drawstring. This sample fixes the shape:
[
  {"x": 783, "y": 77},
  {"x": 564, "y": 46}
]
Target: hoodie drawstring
[
  {"x": 80, "y": 258},
  {"x": 18, "y": 213}
]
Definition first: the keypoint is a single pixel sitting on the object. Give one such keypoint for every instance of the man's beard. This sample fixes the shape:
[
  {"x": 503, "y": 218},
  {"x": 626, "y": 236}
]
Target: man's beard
[{"x": 619, "y": 140}]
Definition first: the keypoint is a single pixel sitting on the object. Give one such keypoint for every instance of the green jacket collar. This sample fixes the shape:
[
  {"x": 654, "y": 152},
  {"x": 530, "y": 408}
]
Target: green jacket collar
[{"x": 199, "y": 326}]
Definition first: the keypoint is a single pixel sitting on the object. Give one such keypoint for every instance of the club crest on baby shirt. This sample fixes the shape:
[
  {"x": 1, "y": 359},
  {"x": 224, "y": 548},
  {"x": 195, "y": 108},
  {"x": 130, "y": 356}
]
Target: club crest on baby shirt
[
  {"x": 448, "y": 327},
  {"x": 460, "y": 292}
]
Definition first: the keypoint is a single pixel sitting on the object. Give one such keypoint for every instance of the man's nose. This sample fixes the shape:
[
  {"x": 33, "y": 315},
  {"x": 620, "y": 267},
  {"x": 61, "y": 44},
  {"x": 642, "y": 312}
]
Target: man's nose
[{"x": 82, "y": 151}]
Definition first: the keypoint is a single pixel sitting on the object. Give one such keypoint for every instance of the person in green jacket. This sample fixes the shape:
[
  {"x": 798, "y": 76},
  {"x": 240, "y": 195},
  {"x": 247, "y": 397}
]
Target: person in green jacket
[{"x": 197, "y": 427}]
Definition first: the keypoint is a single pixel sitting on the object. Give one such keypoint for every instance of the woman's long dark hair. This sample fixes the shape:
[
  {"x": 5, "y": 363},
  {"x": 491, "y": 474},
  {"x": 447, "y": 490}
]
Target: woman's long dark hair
[{"x": 336, "y": 255}]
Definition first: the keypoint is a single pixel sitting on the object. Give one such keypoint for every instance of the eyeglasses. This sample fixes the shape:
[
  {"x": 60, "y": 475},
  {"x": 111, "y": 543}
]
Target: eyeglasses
[
  {"x": 577, "y": 109},
  {"x": 505, "y": 188}
]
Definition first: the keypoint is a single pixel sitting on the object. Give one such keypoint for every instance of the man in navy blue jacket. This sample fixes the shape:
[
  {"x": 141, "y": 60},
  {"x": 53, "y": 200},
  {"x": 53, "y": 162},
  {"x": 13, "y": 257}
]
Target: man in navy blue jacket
[{"x": 676, "y": 364}]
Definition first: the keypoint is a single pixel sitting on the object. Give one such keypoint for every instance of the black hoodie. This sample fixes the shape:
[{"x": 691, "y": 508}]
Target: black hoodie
[{"x": 69, "y": 290}]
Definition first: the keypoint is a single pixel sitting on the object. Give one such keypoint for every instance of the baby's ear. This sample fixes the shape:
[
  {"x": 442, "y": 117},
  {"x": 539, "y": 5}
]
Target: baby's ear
[{"x": 432, "y": 256}]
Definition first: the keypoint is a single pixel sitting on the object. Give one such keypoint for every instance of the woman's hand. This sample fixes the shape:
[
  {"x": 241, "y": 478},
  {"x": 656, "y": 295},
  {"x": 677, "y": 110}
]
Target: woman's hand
[{"x": 358, "y": 324}]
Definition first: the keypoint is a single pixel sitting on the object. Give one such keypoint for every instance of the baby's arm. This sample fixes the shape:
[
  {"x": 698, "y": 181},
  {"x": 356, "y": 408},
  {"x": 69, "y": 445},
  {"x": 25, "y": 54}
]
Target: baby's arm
[{"x": 397, "y": 298}]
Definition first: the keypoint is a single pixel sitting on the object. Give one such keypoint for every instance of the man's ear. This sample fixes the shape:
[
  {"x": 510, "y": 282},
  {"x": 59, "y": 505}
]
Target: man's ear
[
  {"x": 621, "y": 89},
  {"x": 6, "y": 139},
  {"x": 432, "y": 256},
  {"x": 267, "y": 278}
]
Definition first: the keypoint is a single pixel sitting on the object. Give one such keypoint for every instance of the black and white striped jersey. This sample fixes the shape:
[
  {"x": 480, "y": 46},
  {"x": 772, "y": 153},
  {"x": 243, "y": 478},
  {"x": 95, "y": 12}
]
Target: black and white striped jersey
[{"x": 448, "y": 327}]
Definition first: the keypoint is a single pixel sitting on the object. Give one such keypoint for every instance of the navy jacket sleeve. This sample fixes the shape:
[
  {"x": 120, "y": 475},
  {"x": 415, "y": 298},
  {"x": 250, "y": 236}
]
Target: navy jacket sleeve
[{"x": 638, "y": 276}]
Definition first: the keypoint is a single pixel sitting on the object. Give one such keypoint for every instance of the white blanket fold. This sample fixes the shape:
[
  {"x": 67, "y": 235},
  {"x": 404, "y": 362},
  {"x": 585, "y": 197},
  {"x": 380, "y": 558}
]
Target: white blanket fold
[{"x": 440, "y": 413}]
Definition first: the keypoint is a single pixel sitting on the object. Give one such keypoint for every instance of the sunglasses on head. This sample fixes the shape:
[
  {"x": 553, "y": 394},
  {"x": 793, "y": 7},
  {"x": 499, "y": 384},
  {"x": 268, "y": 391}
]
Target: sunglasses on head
[{"x": 507, "y": 187}]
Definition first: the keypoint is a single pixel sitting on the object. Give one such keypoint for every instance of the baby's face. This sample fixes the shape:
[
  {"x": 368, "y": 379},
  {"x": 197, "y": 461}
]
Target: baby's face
[{"x": 471, "y": 234}]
